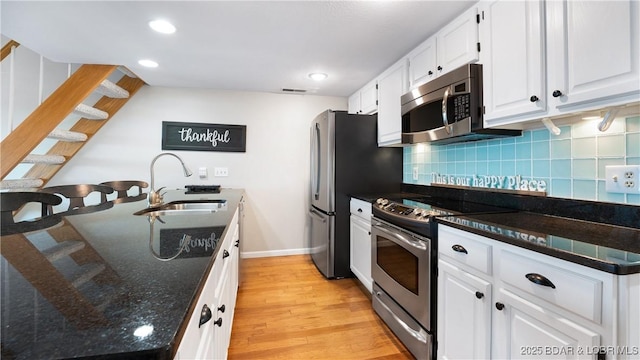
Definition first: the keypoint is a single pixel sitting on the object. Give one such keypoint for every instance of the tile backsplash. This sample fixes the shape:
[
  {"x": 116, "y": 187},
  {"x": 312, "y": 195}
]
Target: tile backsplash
[{"x": 571, "y": 163}]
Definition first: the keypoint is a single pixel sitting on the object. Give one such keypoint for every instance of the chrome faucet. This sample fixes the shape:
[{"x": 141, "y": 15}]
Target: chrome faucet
[{"x": 155, "y": 198}]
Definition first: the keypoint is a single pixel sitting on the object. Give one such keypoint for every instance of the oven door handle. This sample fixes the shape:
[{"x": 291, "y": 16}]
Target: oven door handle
[
  {"x": 414, "y": 243},
  {"x": 417, "y": 335}
]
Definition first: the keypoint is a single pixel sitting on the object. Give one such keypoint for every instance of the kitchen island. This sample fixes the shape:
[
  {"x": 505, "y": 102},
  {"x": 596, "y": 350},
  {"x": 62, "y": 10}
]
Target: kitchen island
[{"x": 111, "y": 284}]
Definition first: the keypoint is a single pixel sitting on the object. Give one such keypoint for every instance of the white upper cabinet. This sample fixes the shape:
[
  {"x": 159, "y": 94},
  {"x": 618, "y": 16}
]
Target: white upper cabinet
[
  {"x": 592, "y": 51},
  {"x": 423, "y": 63},
  {"x": 512, "y": 57},
  {"x": 458, "y": 42},
  {"x": 392, "y": 84},
  {"x": 353, "y": 103},
  {"x": 453, "y": 46},
  {"x": 365, "y": 100},
  {"x": 553, "y": 58}
]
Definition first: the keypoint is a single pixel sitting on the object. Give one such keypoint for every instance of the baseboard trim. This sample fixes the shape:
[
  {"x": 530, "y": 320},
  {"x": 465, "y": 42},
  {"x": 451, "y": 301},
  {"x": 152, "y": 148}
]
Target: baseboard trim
[{"x": 270, "y": 253}]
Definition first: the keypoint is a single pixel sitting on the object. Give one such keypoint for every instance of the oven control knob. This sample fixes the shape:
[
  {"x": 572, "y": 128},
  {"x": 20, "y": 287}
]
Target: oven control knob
[{"x": 382, "y": 201}]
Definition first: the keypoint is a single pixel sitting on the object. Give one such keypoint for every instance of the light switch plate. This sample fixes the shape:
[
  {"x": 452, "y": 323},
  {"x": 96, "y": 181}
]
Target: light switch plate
[
  {"x": 622, "y": 179},
  {"x": 415, "y": 173},
  {"x": 202, "y": 172}
]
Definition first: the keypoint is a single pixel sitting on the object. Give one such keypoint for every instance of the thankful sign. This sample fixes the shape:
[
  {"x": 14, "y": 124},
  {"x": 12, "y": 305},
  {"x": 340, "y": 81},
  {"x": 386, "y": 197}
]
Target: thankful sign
[{"x": 203, "y": 137}]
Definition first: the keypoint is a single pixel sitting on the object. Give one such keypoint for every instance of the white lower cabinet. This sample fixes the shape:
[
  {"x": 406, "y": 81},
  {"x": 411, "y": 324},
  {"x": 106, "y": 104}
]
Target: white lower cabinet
[
  {"x": 208, "y": 331},
  {"x": 523, "y": 329},
  {"x": 499, "y": 301},
  {"x": 360, "y": 246},
  {"x": 464, "y": 314}
]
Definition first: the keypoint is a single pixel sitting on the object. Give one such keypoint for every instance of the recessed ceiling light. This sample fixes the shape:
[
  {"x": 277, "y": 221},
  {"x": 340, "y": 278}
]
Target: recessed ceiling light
[
  {"x": 148, "y": 63},
  {"x": 162, "y": 26},
  {"x": 318, "y": 76}
]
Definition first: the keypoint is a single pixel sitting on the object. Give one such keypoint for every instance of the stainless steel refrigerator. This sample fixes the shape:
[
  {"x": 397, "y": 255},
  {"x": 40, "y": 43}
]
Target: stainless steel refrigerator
[{"x": 345, "y": 160}]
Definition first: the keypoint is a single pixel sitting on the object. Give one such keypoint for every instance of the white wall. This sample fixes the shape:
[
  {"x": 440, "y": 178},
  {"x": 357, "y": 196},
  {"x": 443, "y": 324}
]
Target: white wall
[{"x": 273, "y": 170}]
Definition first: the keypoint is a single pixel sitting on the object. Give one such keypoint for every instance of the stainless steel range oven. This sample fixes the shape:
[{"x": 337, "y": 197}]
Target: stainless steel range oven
[
  {"x": 403, "y": 266},
  {"x": 401, "y": 270}
]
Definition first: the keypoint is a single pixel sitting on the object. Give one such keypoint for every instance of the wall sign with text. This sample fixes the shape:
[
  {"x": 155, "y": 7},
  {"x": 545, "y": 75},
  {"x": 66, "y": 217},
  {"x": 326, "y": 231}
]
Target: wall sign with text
[{"x": 203, "y": 137}]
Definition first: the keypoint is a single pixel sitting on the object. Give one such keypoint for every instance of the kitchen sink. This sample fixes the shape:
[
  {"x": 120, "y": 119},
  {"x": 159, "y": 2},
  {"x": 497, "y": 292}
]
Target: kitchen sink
[{"x": 184, "y": 207}]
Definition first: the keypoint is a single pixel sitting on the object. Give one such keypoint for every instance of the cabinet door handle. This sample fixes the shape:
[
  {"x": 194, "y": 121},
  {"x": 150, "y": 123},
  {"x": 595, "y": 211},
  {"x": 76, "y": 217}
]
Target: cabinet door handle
[
  {"x": 540, "y": 280},
  {"x": 218, "y": 322},
  {"x": 439, "y": 68},
  {"x": 225, "y": 254},
  {"x": 459, "y": 248},
  {"x": 533, "y": 98},
  {"x": 556, "y": 93},
  {"x": 499, "y": 306},
  {"x": 222, "y": 308},
  {"x": 359, "y": 210},
  {"x": 479, "y": 295},
  {"x": 205, "y": 315},
  {"x": 237, "y": 244}
]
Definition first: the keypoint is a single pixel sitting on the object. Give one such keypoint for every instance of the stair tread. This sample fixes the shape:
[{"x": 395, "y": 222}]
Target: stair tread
[
  {"x": 28, "y": 183},
  {"x": 91, "y": 113},
  {"x": 127, "y": 72},
  {"x": 66, "y": 135},
  {"x": 43, "y": 159},
  {"x": 109, "y": 89},
  {"x": 63, "y": 249}
]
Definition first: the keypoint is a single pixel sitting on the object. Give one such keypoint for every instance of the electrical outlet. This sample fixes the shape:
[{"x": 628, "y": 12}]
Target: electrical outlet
[
  {"x": 622, "y": 179},
  {"x": 415, "y": 173},
  {"x": 221, "y": 171}
]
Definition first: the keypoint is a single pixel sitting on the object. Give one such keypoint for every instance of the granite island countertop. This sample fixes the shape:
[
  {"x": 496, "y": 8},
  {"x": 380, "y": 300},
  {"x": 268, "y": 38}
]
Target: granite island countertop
[{"x": 100, "y": 285}]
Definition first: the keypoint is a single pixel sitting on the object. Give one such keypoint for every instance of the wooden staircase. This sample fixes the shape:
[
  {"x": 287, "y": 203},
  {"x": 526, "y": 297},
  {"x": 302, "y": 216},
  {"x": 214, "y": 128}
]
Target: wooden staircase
[
  {"x": 65, "y": 284},
  {"x": 43, "y": 122}
]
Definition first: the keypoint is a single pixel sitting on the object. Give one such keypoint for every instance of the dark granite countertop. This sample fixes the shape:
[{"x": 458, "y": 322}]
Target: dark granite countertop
[
  {"x": 610, "y": 248},
  {"x": 372, "y": 197},
  {"x": 598, "y": 235},
  {"x": 110, "y": 294}
]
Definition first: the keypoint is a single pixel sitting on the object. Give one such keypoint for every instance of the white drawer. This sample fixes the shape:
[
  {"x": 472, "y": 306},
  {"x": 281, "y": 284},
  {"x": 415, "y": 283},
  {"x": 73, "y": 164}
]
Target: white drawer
[
  {"x": 360, "y": 208},
  {"x": 465, "y": 248},
  {"x": 569, "y": 286}
]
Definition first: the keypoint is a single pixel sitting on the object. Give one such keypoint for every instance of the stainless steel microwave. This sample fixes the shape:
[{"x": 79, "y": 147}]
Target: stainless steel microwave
[{"x": 448, "y": 109}]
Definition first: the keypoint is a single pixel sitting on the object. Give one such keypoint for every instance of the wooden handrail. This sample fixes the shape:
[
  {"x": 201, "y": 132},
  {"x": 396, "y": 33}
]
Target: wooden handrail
[
  {"x": 6, "y": 49},
  {"x": 21, "y": 141}
]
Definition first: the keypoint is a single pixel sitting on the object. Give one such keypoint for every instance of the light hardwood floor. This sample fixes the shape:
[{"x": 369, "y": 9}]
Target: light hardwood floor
[{"x": 287, "y": 310}]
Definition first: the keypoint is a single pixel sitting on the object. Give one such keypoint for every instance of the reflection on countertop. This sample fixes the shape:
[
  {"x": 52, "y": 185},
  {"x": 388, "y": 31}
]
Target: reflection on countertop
[
  {"x": 87, "y": 286},
  {"x": 609, "y": 248}
]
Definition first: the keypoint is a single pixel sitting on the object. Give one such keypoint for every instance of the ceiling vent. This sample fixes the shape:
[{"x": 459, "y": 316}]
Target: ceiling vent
[{"x": 294, "y": 91}]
